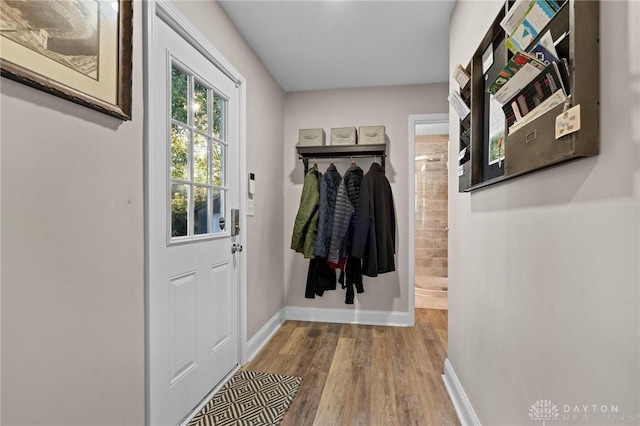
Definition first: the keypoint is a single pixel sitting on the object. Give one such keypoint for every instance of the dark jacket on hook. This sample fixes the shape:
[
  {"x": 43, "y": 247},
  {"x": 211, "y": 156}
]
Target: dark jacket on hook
[
  {"x": 375, "y": 232},
  {"x": 351, "y": 275},
  {"x": 353, "y": 180},
  {"x": 328, "y": 192},
  {"x": 320, "y": 278},
  {"x": 344, "y": 216},
  {"x": 341, "y": 219}
]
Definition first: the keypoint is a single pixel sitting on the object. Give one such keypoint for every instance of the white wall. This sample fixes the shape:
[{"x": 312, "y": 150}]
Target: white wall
[
  {"x": 388, "y": 106},
  {"x": 72, "y": 259},
  {"x": 73, "y": 319},
  {"x": 544, "y": 269}
]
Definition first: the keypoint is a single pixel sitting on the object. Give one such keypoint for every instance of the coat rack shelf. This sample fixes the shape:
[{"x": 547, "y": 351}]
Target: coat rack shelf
[{"x": 305, "y": 153}]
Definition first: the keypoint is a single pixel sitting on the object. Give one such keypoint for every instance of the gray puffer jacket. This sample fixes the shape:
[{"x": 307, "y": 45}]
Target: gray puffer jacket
[{"x": 328, "y": 193}]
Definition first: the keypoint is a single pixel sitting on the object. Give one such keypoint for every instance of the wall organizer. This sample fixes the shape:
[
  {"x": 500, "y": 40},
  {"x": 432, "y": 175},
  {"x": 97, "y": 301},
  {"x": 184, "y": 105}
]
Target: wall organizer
[{"x": 491, "y": 150}]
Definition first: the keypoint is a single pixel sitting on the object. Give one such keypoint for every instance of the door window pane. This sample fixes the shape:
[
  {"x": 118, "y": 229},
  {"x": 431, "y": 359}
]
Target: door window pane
[
  {"x": 200, "y": 210},
  {"x": 217, "y": 164},
  {"x": 179, "y": 95},
  {"x": 179, "y": 202},
  {"x": 198, "y": 155},
  {"x": 200, "y": 159},
  {"x": 218, "y": 209},
  {"x": 179, "y": 152},
  {"x": 200, "y": 107},
  {"x": 218, "y": 116}
]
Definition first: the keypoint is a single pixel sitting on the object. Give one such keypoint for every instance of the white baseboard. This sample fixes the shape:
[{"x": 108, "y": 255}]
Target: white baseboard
[
  {"x": 466, "y": 414},
  {"x": 348, "y": 316},
  {"x": 264, "y": 335}
]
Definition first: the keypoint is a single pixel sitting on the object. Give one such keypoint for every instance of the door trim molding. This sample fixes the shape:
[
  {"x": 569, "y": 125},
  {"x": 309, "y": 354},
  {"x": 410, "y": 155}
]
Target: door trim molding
[
  {"x": 242, "y": 237},
  {"x": 414, "y": 120},
  {"x": 167, "y": 12},
  {"x": 265, "y": 334}
]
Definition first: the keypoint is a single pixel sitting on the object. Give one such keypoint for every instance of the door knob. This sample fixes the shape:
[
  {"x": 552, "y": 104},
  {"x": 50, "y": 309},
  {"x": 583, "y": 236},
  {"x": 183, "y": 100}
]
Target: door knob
[{"x": 236, "y": 247}]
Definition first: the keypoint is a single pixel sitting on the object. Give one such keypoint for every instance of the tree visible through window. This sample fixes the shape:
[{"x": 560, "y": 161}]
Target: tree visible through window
[{"x": 197, "y": 156}]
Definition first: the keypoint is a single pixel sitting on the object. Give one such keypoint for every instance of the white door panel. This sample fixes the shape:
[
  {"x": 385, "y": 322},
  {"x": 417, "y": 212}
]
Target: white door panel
[{"x": 193, "y": 276}]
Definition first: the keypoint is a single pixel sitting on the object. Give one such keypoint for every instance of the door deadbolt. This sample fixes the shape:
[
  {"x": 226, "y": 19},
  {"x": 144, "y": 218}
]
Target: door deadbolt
[
  {"x": 235, "y": 221},
  {"x": 236, "y": 247}
]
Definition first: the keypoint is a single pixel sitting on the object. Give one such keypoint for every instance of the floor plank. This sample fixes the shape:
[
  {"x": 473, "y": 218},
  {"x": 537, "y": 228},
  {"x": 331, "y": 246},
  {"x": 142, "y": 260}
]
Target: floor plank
[
  {"x": 363, "y": 375},
  {"x": 336, "y": 395}
]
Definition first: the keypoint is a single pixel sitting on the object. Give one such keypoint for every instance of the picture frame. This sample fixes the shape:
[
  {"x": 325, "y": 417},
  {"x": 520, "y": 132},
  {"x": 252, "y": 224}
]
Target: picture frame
[{"x": 79, "y": 50}]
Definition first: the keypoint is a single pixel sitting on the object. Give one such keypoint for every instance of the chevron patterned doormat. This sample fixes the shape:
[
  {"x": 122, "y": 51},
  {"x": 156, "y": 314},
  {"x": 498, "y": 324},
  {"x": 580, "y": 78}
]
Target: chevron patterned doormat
[{"x": 249, "y": 398}]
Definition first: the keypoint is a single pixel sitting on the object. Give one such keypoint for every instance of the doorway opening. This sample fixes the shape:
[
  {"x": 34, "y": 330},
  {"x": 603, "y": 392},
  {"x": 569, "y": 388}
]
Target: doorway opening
[{"x": 430, "y": 211}]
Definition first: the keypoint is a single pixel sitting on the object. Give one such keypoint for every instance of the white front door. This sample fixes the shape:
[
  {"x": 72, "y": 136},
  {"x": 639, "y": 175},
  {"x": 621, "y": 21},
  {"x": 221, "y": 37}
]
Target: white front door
[{"x": 192, "y": 186}]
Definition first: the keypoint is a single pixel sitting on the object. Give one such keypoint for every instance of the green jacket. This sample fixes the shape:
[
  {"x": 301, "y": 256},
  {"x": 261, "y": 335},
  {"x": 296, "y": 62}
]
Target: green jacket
[{"x": 305, "y": 227}]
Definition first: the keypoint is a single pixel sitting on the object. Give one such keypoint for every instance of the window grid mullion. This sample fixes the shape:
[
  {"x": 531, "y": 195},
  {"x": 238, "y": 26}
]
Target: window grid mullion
[
  {"x": 191, "y": 177},
  {"x": 193, "y": 129},
  {"x": 209, "y": 160},
  {"x": 223, "y": 136},
  {"x": 223, "y": 120},
  {"x": 186, "y": 182}
]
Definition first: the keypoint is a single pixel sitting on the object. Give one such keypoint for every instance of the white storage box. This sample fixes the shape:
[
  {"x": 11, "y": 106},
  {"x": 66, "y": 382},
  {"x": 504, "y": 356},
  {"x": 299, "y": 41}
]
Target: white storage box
[
  {"x": 311, "y": 137},
  {"x": 344, "y": 136},
  {"x": 372, "y": 135}
]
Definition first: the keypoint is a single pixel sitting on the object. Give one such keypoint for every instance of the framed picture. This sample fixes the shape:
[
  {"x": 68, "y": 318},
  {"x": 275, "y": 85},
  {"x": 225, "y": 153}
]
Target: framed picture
[{"x": 79, "y": 50}]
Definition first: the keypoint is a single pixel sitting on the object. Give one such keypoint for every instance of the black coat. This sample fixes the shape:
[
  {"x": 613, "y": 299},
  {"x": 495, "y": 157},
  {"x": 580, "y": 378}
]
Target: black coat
[{"x": 374, "y": 239}]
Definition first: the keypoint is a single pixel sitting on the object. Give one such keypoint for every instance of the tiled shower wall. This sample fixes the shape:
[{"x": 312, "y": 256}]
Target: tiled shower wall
[{"x": 431, "y": 210}]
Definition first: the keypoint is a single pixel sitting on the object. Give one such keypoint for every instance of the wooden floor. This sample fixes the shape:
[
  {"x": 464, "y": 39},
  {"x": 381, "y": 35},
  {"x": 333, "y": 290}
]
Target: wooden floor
[{"x": 362, "y": 374}]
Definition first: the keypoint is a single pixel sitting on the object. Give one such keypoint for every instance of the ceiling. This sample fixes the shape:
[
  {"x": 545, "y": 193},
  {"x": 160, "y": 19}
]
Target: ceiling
[{"x": 316, "y": 45}]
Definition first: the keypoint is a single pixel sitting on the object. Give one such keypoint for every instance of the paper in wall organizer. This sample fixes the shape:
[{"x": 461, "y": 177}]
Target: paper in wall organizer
[
  {"x": 533, "y": 95},
  {"x": 538, "y": 15},
  {"x": 520, "y": 70},
  {"x": 458, "y": 104}
]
